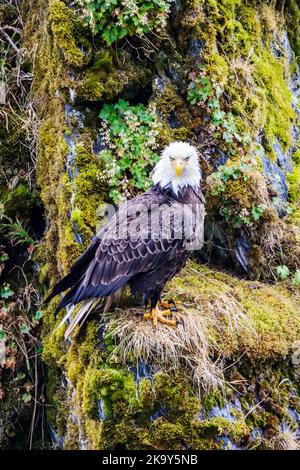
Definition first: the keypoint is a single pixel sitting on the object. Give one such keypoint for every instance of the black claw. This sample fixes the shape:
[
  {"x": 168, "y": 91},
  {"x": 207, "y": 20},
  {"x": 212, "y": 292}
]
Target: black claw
[
  {"x": 174, "y": 308},
  {"x": 179, "y": 322}
]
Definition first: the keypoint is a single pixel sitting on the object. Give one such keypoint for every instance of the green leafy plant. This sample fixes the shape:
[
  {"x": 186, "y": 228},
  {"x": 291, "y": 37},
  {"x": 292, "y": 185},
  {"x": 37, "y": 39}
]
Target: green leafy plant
[
  {"x": 130, "y": 136},
  {"x": 38, "y": 315},
  {"x": 258, "y": 211},
  {"x": 283, "y": 272},
  {"x": 25, "y": 329},
  {"x": 200, "y": 90},
  {"x": 206, "y": 93},
  {"x": 18, "y": 233},
  {"x": 26, "y": 397},
  {"x": 231, "y": 206},
  {"x": 226, "y": 173},
  {"x": 115, "y": 19}
]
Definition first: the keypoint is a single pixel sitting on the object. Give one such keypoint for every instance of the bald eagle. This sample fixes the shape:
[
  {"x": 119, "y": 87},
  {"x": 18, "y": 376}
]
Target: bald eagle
[{"x": 144, "y": 245}]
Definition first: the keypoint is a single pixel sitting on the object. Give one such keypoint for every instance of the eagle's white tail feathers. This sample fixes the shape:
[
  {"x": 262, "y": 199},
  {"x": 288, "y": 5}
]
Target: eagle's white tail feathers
[
  {"x": 87, "y": 306},
  {"x": 70, "y": 310}
]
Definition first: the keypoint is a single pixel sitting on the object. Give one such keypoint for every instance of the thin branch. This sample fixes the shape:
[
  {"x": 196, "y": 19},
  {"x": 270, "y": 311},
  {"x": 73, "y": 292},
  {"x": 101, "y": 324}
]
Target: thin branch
[{"x": 8, "y": 38}]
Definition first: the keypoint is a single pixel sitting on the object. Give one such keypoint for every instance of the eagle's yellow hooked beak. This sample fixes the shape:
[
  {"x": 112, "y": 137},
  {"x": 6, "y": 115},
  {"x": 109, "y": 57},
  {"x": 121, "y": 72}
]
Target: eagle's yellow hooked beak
[{"x": 179, "y": 165}]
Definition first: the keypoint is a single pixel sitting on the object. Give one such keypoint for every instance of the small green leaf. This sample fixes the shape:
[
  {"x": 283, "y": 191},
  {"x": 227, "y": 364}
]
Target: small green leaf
[
  {"x": 6, "y": 292},
  {"x": 25, "y": 329},
  {"x": 26, "y": 397},
  {"x": 38, "y": 315},
  {"x": 2, "y": 335},
  {"x": 257, "y": 212},
  {"x": 283, "y": 272}
]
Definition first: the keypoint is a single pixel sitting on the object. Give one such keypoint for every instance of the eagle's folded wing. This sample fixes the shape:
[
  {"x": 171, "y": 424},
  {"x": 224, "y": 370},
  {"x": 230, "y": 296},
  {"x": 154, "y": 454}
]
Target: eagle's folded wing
[{"x": 140, "y": 237}]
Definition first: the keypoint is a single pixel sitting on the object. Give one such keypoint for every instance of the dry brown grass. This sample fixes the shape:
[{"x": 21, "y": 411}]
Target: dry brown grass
[
  {"x": 279, "y": 245},
  {"x": 285, "y": 440},
  {"x": 185, "y": 346},
  {"x": 191, "y": 345}
]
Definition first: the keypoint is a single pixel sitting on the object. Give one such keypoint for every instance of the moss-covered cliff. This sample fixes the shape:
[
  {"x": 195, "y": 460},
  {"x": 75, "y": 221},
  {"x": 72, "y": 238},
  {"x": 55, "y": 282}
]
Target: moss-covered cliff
[{"x": 109, "y": 93}]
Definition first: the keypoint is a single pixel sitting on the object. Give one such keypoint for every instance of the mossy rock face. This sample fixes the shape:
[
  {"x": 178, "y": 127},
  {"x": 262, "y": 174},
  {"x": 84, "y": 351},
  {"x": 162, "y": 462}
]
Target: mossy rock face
[{"x": 228, "y": 376}]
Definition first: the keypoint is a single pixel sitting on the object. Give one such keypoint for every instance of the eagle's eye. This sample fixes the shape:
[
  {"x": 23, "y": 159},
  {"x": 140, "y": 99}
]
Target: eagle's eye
[
  {"x": 187, "y": 158},
  {"x": 172, "y": 159}
]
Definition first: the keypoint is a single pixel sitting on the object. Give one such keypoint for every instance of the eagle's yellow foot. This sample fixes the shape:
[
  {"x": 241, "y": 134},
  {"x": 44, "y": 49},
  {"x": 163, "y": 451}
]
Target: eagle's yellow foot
[
  {"x": 158, "y": 316},
  {"x": 164, "y": 313}
]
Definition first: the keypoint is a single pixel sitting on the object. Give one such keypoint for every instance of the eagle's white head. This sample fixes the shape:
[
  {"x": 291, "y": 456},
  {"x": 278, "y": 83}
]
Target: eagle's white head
[{"x": 178, "y": 166}]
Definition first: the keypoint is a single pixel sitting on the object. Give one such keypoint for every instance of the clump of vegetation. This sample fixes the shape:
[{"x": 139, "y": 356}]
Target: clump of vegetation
[
  {"x": 115, "y": 19},
  {"x": 17, "y": 232},
  {"x": 130, "y": 137},
  {"x": 283, "y": 273},
  {"x": 20, "y": 315},
  {"x": 206, "y": 93},
  {"x": 63, "y": 27},
  {"x": 20, "y": 356},
  {"x": 229, "y": 185}
]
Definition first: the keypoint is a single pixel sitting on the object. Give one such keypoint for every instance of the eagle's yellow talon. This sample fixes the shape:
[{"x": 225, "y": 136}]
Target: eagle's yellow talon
[
  {"x": 147, "y": 316},
  {"x": 158, "y": 316},
  {"x": 165, "y": 313}
]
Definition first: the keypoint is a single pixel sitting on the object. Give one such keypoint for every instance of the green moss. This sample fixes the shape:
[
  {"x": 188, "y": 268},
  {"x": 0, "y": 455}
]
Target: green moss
[
  {"x": 105, "y": 78},
  {"x": 73, "y": 437},
  {"x": 169, "y": 103},
  {"x": 275, "y": 96},
  {"x": 217, "y": 67},
  {"x": 115, "y": 389},
  {"x": 93, "y": 86},
  {"x": 63, "y": 27},
  {"x": 44, "y": 273},
  {"x": 293, "y": 179},
  {"x": 88, "y": 189},
  {"x": 272, "y": 311},
  {"x": 293, "y": 16},
  {"x": 237, "y": 54},
  {"x": 56, "y": 398},
  {"x": 130, "y": 409}
]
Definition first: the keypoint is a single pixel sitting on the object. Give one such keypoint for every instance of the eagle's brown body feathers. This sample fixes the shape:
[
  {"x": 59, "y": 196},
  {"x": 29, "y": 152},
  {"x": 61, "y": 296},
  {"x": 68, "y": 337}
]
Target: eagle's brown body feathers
[{"x": 145, "y": 263}]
